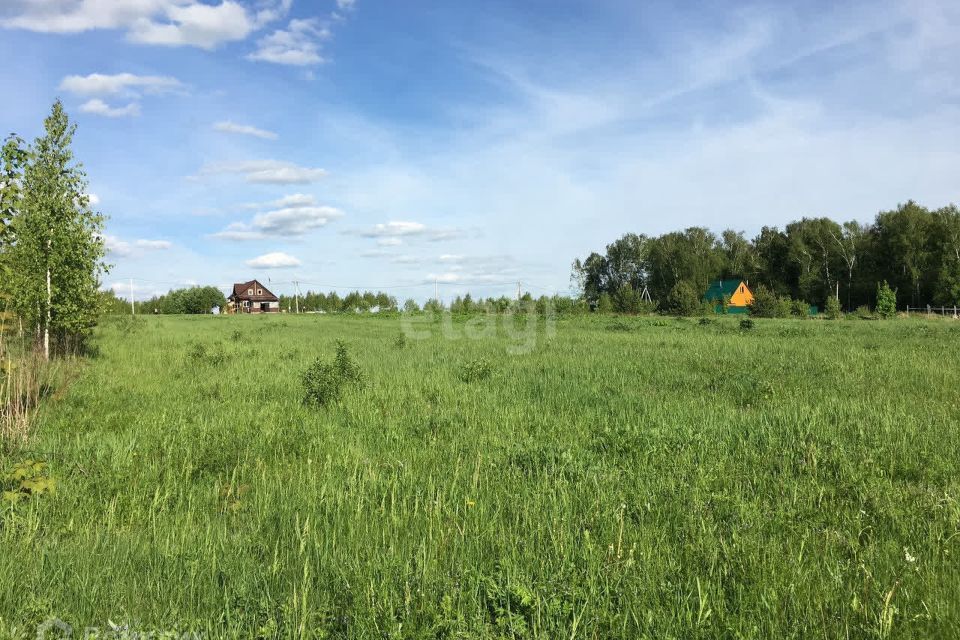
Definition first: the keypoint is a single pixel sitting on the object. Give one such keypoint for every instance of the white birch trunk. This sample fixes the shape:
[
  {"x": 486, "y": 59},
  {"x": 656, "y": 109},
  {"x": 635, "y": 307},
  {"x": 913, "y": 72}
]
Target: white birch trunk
[{"x": 46, "y": 324}]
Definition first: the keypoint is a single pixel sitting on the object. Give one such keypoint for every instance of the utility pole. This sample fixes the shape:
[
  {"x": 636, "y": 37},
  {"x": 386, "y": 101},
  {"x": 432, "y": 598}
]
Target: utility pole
[
  {"x": 436, "y": 290},
  {"x": 133, "y": 308},
  {"x": 296, "y": 296},
  {"x": 518, "y": 291}
]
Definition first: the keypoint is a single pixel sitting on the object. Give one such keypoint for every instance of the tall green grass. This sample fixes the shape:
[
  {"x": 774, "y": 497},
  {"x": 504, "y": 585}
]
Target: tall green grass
[{"x": 628, "y": 478}]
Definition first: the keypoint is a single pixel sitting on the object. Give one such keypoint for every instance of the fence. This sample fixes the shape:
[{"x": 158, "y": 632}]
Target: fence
[{"x": 930, "y": 309}]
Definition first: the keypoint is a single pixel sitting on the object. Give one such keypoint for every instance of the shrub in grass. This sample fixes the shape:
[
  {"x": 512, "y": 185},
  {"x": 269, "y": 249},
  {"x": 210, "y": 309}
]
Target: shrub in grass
[
  {"x": 746, "y": 324},
  {"x": 832, "y": 309},
  {"x": 604, "y": 303},
  {"x": 197, "y": 352},
  {"x": 800, "y": 308},
  {"x": 400, "y": 341},
  {"x": 767, "y": 304},
  {"x": 626, "y": 299},
  {"x": 706, "y": 322},
  {"x": 476, "y": 370},
  {"x": 323, "y": 382},
  {"x": 619, "y": 325},
  {"x": 510, "y": 606},
  {"x": 886, "y": 301},
  {"x": 863, "y": 312},
  {"x": 707, "y": 308},
  {"x": 683, "y": 300},
  {"x": 201, "y": 354}
]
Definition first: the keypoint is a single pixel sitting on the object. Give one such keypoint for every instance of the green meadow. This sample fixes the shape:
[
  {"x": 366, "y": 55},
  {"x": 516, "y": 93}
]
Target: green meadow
[{"x": 605, "y": 477}]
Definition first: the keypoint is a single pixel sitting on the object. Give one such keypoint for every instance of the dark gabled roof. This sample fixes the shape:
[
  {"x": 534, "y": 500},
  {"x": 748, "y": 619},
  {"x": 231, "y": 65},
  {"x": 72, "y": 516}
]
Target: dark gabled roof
[
  {"x": 240, "y": 292},
  {"x": 721, "y": 289}
]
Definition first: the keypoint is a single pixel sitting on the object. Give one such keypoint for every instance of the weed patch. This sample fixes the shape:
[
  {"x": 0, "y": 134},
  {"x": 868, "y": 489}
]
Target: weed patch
[
  {"x": 476, "y": 370},
  {"x": 323, "y": 382},
  {"x": 27, "y": 479}
]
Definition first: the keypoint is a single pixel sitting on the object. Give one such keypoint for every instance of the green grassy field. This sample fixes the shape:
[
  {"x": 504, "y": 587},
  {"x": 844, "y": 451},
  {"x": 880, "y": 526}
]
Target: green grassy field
[{"x": 626, "y": 478}]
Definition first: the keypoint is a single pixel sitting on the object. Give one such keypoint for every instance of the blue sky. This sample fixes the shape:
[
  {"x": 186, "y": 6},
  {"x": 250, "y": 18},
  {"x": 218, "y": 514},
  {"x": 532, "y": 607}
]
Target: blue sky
[{"x": 375, "y": 143}]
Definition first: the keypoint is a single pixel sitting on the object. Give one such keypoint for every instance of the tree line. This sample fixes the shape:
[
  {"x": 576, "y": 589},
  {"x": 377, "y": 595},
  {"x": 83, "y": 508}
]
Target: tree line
[
  {"x": 51, "y": 240},
  {"x": 353, "y": 302},
  {"x": 914, "y": 249},
  {"x": 187, "y": 300}
]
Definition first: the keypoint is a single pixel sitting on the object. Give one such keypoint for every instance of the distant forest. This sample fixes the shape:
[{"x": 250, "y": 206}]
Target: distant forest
[{"x": 915, "y": 249}]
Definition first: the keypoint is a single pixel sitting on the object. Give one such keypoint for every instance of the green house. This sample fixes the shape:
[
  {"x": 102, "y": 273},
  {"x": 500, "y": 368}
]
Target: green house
[{"x": 734, "y": 293}]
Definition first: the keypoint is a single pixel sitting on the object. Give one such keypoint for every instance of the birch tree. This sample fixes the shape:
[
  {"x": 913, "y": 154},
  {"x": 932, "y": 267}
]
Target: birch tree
[{"x": 56, "y": 253}]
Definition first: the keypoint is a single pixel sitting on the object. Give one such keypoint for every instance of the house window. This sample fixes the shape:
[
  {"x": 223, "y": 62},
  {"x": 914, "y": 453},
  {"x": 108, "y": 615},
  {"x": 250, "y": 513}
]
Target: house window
[
  {"x": 249, "y": 292},
  {"x": 259, "y": 292}
]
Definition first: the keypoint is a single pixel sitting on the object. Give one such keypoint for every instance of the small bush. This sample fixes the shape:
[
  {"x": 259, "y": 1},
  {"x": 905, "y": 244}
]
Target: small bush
[
  {"x": 400, "y": 341},
  {"x": 863, "y": 312},
  {"x": 626, "y": 299},
  {"x": 200, "y": 354},
  {"x": 705, "y": 322},
  {"x": 886, "y": 301},
  {"x": 708, "y": 308},
  {"x": 683, "y": 300},
  {"x": 476, "y": 370},
  {"x": 604, "y": 303},
  {"x": 323, "y": 382},
  {"x": 746, "y": 324},
  {"x": 832, "y": 309},
  {"x": 800, "y": 308},
  {"x": 767, "y": 304}
]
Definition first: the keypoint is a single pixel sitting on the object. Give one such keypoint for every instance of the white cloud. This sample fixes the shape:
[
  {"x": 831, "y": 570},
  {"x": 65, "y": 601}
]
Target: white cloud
[
  {"x": 85, "y": 15},
  {"x": 266, "y": 172},
  {"x": 226, "y": 126},
  {"x": 93, "y": 199},
  {"x": 118, "y": 247},
  {"x": 297, "y": 45},
  {"x": 125, "y": 84},
  {"x": 158, "y": 22},
  {"x": 293, "y": 215},
  {"x": 391, "y": 233},
  {"x": 294, "y": 221},
  {"x": 100, "y": 108},
  {"x": 346, "y": 5},
  {"x": 239, "y": 231},
  {"x": 393, "y": 229},
  {"x": 196, "y": 24},
  {"x": 275, "y": 260},
  {"x": 268, "y": 14}
]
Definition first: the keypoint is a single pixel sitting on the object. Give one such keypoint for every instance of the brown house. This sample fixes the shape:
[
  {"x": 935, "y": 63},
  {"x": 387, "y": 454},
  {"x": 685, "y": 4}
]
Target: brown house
[{"x": 252, "y": 297}]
